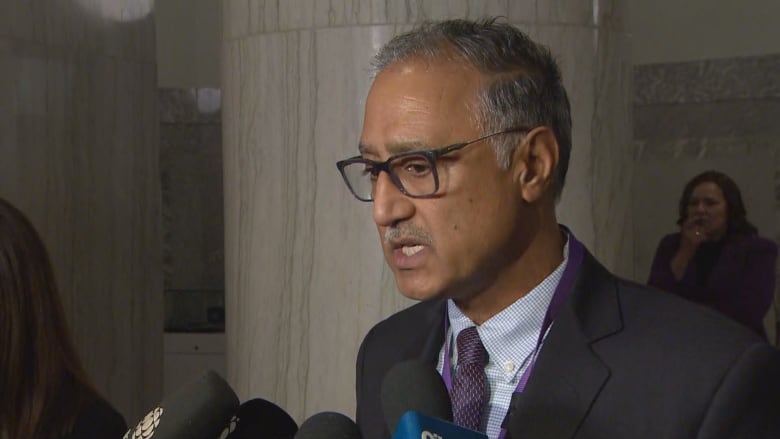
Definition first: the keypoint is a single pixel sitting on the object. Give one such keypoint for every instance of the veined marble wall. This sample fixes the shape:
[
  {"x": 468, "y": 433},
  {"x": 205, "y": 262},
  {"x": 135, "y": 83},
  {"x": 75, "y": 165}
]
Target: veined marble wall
[
  {"x": 305, "y": 277},
  {"x": 79, "y": 155},
  {"x": 713, "y": 114}
]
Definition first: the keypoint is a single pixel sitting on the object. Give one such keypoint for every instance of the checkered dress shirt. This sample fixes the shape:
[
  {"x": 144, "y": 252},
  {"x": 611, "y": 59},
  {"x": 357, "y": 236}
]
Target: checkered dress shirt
[{"x": 509, "y": 338}]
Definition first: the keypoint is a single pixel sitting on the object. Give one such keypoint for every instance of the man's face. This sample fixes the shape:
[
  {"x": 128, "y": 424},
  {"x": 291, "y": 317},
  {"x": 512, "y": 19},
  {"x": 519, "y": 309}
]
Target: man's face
[{"x": 456, "y": 243}]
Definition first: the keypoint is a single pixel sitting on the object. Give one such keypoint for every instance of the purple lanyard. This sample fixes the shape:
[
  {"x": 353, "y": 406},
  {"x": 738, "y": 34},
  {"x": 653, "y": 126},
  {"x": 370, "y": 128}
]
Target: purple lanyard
[{"x": 576, "y": 252}]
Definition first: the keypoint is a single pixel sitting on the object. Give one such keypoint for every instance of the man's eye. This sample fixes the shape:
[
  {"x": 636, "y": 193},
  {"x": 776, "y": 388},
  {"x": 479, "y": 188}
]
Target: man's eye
[
  {"x": 370, "y": 171},
  {"x": 415, "y": 167}
]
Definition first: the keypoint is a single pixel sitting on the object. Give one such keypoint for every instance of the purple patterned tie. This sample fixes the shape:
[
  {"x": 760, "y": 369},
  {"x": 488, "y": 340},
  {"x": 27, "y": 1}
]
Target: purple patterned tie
[{"x": 469, "y": 393}]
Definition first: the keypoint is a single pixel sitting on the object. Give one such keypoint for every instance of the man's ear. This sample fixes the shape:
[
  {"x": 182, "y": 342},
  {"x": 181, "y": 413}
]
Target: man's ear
[{"x": 534, "y": 162}]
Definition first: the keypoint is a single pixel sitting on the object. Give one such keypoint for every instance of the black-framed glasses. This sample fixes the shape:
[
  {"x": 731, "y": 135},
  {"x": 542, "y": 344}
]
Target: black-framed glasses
[{"x": 414, "y": 173}]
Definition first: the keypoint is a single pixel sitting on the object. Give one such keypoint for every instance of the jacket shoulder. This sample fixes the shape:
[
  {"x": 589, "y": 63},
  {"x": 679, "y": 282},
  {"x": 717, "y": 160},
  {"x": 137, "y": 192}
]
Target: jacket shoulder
[
  {"x": 762, "y": 244},
  {"x": 396, "y": 332},
  {"x": 671, "y": 240},
  {"x": 418, "y": 313},
  {"x": 99, "y": 420},
  {"x": 665, "y": 315}
]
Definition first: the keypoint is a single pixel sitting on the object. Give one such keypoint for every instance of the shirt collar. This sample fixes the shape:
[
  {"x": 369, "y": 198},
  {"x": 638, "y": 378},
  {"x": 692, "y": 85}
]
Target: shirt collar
[{"x": 510, "y": 336}]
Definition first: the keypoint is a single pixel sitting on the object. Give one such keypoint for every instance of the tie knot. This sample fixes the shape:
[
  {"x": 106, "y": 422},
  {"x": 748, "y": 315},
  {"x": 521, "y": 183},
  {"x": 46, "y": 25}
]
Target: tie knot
[{"x": 470, "y": 348}]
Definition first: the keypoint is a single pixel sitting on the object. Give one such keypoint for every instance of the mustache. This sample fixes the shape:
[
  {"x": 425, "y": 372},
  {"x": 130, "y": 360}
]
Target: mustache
[{"x": 406, "y": 231}]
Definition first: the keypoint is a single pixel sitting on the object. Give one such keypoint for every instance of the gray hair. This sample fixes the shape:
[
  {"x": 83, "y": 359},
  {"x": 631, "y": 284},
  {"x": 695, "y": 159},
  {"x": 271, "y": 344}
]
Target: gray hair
[{"x": 526, "y": 88}]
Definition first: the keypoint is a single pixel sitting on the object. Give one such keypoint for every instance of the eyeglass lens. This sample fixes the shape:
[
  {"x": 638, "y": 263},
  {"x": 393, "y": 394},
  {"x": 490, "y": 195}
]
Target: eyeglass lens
[{"x": 415, "y": 173}]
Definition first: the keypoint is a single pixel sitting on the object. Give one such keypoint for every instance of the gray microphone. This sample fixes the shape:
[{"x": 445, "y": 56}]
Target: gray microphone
[
  {"x": 416, "y": 404},
  {"x": 199, "y": 410},
  {"x": 260, "y": 418},
  {"x": 414, "y": 386},
  {"x": 328, "y": 425}
]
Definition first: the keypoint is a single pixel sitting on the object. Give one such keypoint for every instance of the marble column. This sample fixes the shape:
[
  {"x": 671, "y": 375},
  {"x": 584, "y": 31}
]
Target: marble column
[
  {"x": 305, "y": 278},
  {"x": 79, "y": 154}
]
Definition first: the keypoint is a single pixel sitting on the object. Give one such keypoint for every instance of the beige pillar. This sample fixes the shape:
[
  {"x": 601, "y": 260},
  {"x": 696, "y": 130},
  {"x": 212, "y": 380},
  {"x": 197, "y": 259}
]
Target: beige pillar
[
  {"x": 305, "y": 277},
  {"x": 79, "y": 154}
]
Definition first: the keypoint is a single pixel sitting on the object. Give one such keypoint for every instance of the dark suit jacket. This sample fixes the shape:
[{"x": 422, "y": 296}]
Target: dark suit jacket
[
  {"x": 621, "y": 361},
  {"x": 741, "y": 284}
]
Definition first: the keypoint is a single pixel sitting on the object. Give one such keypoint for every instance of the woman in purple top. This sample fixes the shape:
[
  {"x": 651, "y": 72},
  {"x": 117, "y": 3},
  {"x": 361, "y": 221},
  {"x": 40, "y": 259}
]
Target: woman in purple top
[{"x": 717, "y": 258}]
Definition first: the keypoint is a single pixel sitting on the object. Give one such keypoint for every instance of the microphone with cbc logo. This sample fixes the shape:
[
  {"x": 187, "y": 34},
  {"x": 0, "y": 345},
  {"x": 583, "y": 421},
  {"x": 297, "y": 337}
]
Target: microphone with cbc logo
[
  {"x": 415, "y": 425},
  {"x": 417, "y": 404}
]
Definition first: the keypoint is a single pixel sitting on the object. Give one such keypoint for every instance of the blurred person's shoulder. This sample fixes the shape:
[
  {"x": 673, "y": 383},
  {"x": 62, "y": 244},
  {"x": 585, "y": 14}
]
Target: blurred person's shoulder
[
  {"x": 761, "y": 244},
  {"x": 755, "y": 246},
  {"x": 99, "y": 420}
]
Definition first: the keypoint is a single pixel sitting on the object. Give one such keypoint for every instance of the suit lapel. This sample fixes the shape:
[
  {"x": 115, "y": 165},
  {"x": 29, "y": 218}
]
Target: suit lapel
[
  {"x": 428, "y": 335},
  {"x": 568, "y": 376}
]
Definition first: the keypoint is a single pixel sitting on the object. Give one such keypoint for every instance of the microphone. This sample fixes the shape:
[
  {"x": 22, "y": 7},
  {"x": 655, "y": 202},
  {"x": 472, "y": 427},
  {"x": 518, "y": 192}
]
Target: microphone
[
  {"x": 328, "y": 425},
  {"x": 415, "y": 425},
  {"x": 416, "y": 404},
  {"x": 258, "y": 418},
  {"x": 413, "y": 385},
  {"x": 199, "y": 410}
]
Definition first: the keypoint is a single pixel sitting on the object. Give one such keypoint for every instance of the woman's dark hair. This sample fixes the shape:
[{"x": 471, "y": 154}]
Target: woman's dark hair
[
  {"x": 44, "y": 386},
  {"x": 737, "y": 223}
]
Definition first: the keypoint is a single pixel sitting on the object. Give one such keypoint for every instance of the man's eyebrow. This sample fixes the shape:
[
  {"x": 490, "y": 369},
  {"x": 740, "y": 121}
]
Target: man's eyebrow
[
  {"x": 364, "y": 149},
  {"x": 394, "y": 148}
]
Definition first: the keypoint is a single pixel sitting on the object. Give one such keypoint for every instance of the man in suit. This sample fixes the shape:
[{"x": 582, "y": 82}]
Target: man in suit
[{"x": 464, "y": 150}]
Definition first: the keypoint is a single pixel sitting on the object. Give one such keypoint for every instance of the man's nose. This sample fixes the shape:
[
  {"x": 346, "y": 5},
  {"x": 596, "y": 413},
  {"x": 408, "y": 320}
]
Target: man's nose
[{"x": 390, "y": 204}]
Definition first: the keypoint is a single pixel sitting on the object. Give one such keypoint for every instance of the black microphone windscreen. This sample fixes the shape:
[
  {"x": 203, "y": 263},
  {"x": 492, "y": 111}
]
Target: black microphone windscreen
[
  {"x": 414, "y": 385},
  {"x": 328, "y": 425},
  {"x": 258, "y": 418},
  {"x": 199, "y": 410}
]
